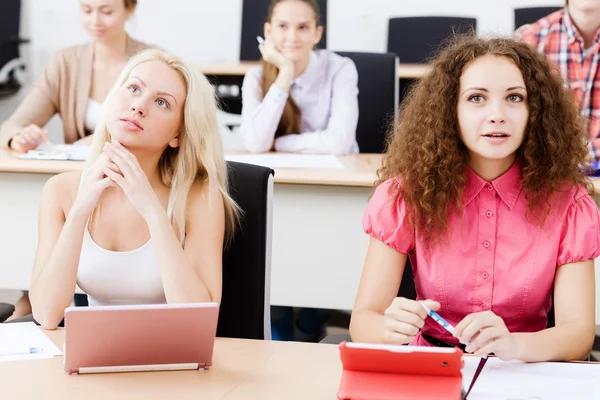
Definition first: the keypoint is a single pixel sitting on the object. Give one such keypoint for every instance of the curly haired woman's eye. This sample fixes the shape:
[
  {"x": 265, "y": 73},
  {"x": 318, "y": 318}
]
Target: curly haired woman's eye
[
  {"x": 515, "y": 98},
  {"x": 476, "y": 98}
]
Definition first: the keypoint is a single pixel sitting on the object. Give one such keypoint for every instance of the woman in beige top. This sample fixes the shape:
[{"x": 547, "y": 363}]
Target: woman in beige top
[
  {"x": 74, "y": 84},
  {"x": 76, "y": 80}
]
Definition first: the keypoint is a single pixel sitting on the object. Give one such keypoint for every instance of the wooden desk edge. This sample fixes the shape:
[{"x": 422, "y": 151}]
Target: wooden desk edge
[
  {"x": 240, "y": 68},
  {"x": 356, "y": 174}
]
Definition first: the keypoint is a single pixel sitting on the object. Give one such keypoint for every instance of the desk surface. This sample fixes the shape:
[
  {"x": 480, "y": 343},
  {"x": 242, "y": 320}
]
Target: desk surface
[
  {"x": 359, "y": 170},
  {"x": 242, "y": 369},
  {"x": 239, "y": 68}
]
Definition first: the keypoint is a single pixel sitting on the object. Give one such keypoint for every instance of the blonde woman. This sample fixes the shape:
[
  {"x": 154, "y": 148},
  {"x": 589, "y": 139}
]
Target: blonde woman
[
  {"x": 146, "y": 220},
  {"x": 76, "y": 80}
]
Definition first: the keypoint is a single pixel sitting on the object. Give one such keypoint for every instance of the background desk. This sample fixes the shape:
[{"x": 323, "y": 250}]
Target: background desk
[
  {"x": 239, "y": 68},
  {"x": 242, "y": 369},
  {"x": 318, "y": 243}
]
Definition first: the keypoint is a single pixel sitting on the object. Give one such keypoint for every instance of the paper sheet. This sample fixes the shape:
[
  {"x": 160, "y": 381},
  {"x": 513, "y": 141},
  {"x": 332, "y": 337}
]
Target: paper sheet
[
  {"x": 17, "y": 336},
  {"x": 288, "y": 160},
  {"x": 58, "y": 152},
  {"x": 518, "y": 380}
]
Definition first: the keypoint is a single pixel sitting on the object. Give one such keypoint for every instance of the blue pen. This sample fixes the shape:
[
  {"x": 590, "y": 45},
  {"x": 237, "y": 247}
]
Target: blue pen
[
  {"x": 436, "y": 317},
  {"x": 20, "y": 351}
]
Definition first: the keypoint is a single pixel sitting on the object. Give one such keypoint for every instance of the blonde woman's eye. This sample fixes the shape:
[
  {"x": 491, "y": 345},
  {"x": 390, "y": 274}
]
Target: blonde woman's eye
[
  {"x": 515, "y": 98},
  {"x": 162, "y": 103},
  {"x": 476, "y": 98},
  {"x": 133, "y": 88}
]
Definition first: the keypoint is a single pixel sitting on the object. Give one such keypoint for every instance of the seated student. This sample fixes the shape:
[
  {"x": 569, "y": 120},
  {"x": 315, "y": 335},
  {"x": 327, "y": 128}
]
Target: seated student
[
  {"x": 300, "y": 100},
  {"x": 76, "y": 80},
  {"x": 481, "y": 189},
  {"x": 570, "y": 38},
  {"x": 145, "y": 221},
  {"x": 74, "y": 85}
]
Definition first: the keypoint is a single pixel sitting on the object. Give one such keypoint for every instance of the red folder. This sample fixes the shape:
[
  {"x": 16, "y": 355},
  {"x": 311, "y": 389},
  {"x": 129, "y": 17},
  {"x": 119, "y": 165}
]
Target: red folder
[{"x": 384, "y": 372}]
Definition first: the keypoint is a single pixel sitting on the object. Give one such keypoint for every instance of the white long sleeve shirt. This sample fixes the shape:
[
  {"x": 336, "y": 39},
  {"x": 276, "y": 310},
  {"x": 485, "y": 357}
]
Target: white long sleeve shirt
[{"x": 327, "y": 95}]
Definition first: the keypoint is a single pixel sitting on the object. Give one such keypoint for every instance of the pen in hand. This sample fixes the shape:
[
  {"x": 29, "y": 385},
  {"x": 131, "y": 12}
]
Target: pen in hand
[{"x": 437, "y": 318}]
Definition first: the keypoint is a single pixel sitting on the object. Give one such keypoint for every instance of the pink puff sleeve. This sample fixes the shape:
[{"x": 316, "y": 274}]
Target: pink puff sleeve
[
  {"x": 580, "y": 235},
  {"x": 386, "y": 218}
]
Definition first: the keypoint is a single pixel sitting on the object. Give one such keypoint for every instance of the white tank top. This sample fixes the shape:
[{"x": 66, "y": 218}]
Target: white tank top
[{"x": 120, "y": 278}]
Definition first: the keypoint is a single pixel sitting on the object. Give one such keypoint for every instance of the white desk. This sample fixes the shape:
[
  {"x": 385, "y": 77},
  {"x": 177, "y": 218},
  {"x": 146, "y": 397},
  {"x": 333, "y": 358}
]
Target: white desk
[{"x": 318, "y": 242}]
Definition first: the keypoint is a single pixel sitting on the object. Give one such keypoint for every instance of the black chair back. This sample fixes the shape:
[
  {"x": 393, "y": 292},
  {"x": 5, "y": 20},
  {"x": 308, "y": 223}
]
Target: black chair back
[
  {"x": 9, "y": 31},
  {"x": 417, "y": 39},
  {"x": 245, "y": 306},
  {"x": 524, "y": 16},
  {"x": 377, "y": 98},
  {"x": 254, "y": 15}
]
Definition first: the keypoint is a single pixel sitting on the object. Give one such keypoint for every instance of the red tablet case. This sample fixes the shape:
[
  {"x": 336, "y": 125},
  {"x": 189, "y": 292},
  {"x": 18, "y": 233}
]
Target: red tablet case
[{"x": 399, "y": 372}]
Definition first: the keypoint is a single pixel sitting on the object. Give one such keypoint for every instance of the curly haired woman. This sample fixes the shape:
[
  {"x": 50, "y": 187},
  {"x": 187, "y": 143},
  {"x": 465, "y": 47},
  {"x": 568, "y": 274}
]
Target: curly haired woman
[{"x": 482, "y": 190}]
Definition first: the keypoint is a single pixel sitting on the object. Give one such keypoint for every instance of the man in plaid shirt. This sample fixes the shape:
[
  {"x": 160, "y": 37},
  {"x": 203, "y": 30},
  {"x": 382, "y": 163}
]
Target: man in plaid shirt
[{"x": 570, "y": 38}]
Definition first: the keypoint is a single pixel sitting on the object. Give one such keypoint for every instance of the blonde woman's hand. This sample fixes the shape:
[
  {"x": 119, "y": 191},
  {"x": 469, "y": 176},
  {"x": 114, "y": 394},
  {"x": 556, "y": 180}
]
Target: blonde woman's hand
[
  {"x": 404, "y": 318},
  {"x": 271, "y": 55},
  {"x": 29, "y": 138},
  {"x": 94, "y": 182},
  {"x": 132, "y": 179}
]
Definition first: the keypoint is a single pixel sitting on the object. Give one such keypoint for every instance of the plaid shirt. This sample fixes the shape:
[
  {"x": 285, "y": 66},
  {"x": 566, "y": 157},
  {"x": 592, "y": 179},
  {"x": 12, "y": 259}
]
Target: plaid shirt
[{"x": 556, "y": 36}]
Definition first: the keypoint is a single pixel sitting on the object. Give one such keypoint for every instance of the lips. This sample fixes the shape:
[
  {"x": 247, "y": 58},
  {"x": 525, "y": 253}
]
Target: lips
[
  {"x": 498, "y": 135},
  {"x": 132, "y": 123}
]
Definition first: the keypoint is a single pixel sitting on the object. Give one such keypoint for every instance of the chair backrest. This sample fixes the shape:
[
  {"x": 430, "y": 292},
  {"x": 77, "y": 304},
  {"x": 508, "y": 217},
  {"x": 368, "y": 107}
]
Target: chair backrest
[
  {"x": 254, "y": 15},
  {"x": 377, "y": 98},
  {"x": 524, "y": 16},
  {"x": 245, "y": 306},
  {"x": 10, "y": 17},
  {"x": 407, "y": 286},
  {"x": 417, "y": 39}
]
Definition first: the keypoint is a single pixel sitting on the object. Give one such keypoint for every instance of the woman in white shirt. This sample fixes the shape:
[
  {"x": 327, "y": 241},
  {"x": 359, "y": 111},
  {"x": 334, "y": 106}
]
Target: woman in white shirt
[
  {"x": 300, "y": 100},
  {"x": 145, "y": 221}
]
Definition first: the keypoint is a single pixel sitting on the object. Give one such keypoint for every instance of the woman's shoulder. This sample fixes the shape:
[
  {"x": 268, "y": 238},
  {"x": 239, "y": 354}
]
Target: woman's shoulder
[
  {"x": 334, "y": 61},
  {"x": 62, "y": 188},
  {"x": 74, "y": 53}
]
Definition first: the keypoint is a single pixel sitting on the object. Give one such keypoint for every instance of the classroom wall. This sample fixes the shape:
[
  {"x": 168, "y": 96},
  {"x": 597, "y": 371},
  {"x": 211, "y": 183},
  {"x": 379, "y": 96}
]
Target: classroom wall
[{"x": 207, "y": 30}]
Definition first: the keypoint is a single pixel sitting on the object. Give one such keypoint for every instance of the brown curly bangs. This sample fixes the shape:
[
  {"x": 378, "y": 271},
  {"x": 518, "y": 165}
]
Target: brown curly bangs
[{"x": 426, "y": 151}]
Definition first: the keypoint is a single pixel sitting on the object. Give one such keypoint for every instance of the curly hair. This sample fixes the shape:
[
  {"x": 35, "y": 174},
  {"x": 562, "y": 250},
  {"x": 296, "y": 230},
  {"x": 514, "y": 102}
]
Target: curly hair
[{"x": 425, "y": 149}]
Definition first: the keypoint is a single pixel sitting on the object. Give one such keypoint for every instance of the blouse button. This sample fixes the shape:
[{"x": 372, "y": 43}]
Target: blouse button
[
  {"x": 486, "y": 244},
  {"x": 489, "y": 214},
  {"x": 485, "y": 275},
  {"x": 490, "y": 187},
  {"x": 483, "y": 306}
]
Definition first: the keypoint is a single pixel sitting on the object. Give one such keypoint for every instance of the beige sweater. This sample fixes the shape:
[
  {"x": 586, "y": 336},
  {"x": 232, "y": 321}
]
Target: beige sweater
[{"x": 63, "y": 88}]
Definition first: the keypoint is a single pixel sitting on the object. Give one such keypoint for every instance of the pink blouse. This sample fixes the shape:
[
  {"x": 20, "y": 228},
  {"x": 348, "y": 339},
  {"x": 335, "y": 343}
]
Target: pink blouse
[{"x": 494, "y": 259}]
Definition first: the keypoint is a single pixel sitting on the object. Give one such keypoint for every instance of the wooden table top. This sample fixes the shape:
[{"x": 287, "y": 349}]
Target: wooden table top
[
  {"x": 239, "y": 68},
  {"x": 242, "y": 369},
  {"x": 359, "y": 170}
]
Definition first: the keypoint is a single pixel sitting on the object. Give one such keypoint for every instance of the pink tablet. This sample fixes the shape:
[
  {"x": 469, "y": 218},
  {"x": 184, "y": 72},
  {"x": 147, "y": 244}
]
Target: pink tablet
[{"x": 139, "y": 337}]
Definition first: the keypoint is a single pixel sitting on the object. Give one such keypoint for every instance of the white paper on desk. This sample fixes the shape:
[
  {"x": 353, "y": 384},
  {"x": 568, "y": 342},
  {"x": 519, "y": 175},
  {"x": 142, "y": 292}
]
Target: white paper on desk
[
  {"x": 518, "y": 380},
  {"x": 24, "y": 335},
  {"x": 288, "y": 160},
  {"x": 58, "y": 152}
]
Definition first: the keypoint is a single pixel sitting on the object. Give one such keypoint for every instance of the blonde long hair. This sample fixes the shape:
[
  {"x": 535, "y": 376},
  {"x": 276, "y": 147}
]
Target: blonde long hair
[{"x": 200, "y": 152}]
